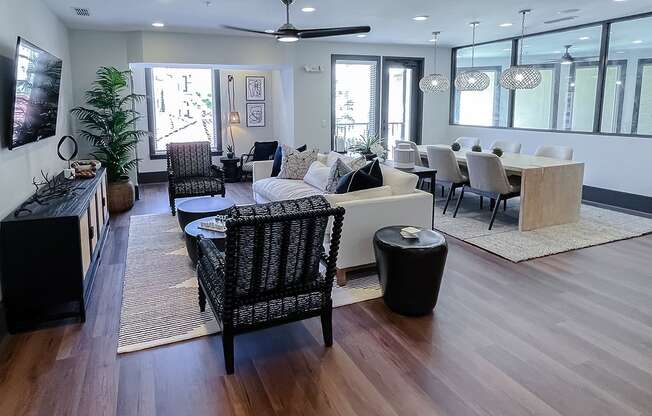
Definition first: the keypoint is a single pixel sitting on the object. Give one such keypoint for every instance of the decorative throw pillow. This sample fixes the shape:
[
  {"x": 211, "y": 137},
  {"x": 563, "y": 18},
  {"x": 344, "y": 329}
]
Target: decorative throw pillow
[
  {"x": 369, "y": 176},
  {"x": 338, "y": 170},
  {"x": 278, "y": 158},
  {"x": 352, "y": 162},
  {"x": 295, "y": 164},
  {"x": 317, "y": 175}
]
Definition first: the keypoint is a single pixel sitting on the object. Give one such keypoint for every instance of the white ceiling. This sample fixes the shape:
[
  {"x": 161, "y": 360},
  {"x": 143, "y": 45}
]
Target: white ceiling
[{"x": 390, "y": 20}]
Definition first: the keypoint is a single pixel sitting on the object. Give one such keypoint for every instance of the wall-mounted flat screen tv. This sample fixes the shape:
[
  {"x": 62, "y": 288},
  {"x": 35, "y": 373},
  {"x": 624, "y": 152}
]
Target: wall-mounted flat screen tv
[{"x": 36, "y": 95}]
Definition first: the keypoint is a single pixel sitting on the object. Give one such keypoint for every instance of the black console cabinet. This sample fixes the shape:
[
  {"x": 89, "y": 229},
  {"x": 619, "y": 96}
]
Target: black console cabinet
[{"x": 49, "y": 257}]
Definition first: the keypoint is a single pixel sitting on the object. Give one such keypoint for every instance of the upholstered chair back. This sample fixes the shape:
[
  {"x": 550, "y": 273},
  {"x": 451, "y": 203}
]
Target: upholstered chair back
[
  {"x": 506, "y": 146},
  {"x": 276, "y": 247},
  {"x": 555, "y": 152},
  {"x": 486, "y": 172},
  {"x": 415, "y": 150},
  {"x": 191, "y": 159},
  {"x": 443, "y": 159},
  {"x": 467, "y": 142}
]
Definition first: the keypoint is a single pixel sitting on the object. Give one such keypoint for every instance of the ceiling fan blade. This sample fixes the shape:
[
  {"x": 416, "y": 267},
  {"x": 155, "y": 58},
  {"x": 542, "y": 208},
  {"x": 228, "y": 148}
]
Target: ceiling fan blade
[
  {"x": 332, "y": 31},
  {"x": 242, "y": 29}
]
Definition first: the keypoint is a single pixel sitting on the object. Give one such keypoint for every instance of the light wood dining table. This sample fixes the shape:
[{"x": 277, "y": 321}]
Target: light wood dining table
[{"x": 551, "y": 189}]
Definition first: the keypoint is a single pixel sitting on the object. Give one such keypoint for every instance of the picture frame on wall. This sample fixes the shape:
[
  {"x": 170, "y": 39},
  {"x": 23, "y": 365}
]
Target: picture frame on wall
[
  {"x": 255, "y": 87},
  {"x": 255, "y": 114}
]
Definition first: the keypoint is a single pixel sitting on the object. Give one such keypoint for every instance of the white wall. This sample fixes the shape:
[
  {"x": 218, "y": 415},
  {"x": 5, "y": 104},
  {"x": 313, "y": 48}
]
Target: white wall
[
  {"x": 33, "y": 21},
  {"x": 302, "y": 100}
]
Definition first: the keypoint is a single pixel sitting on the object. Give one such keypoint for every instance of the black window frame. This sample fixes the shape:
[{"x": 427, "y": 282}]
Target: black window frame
[
  {"x": 151, "y": 104},
  {"x": 603, "y": 64},
  {"x": 637, "y": 92},
  {"x": 495, "y": 119}
]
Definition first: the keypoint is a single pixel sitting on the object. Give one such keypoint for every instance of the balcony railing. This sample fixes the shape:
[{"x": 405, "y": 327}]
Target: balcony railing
[{"x": 395, "y": 131}]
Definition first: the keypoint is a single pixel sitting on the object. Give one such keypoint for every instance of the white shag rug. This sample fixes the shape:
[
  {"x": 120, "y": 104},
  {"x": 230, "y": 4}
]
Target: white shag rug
[
  {"x": 159, "y": 296},
  {"x": 596, "y": 226}
]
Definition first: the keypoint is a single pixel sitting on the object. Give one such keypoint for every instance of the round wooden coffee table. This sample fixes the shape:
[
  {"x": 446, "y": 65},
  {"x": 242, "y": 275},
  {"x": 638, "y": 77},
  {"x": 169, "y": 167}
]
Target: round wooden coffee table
[
  {"x": 197, "y": 208},
  {"x": 192, "y": 231}
]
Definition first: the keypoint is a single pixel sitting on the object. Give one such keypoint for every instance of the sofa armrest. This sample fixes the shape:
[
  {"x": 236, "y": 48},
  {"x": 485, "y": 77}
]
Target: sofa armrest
[
  {"x": 366, "y": 216},
  {"x": 262, "y": 169}
]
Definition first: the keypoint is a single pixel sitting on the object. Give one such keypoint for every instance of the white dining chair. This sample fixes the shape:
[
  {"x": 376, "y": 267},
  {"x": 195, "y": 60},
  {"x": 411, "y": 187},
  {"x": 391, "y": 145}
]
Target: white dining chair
[
  {"x": 555, "y": 152},
  {"x": 467, "y": 142},
  {"x": 488, "y": 178},
  {"x": 449, "y": 174},
  {"x": 506, "y": 146}
]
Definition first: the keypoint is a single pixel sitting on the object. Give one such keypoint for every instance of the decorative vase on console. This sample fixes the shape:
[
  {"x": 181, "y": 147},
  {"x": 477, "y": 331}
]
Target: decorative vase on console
[{"x": 109, "y": 125}]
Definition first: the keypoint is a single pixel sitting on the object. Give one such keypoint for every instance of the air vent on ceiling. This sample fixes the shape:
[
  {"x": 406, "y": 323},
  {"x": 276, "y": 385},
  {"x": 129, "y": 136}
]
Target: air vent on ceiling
[
  {"x": 81, "y": 11},
  {"x": 561, "y": 19}
]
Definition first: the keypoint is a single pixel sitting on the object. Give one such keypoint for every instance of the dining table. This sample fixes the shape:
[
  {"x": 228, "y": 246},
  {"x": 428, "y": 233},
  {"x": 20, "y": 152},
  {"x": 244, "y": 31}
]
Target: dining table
[{"x": 551, "y": 189}]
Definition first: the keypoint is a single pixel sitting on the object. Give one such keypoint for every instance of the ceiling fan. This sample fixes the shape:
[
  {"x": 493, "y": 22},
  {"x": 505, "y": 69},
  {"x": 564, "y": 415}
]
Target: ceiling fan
[
  {"x": 289, "y": 33},
  {"x": 567, "y": 58}
]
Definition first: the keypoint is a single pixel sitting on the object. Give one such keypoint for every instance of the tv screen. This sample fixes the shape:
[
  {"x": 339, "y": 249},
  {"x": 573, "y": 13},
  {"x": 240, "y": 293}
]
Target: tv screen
[{"x": 36, "y": 94}]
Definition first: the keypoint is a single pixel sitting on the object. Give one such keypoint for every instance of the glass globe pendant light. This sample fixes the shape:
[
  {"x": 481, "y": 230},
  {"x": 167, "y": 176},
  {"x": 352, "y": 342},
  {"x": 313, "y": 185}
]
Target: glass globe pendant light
[
  {"x": 472, "y": 80},
  {"x": 434, "y": 82},
  {"x": 521, "y": 77}
]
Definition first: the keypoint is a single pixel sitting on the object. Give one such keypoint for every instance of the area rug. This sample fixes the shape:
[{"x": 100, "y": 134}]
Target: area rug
[
  {"x": 159, "y": 296},
  {"x": 596, "y": 226}
]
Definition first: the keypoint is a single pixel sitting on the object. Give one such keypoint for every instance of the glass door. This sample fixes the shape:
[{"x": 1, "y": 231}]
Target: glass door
[{"x": 402, "y": 100}]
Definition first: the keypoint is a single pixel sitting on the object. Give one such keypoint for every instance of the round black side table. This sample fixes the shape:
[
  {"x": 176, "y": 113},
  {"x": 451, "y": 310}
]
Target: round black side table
[
  {"x": 410, "y": 270},
  {"x": 231, "y": 169},
  {"x": 192, "y": 231},
  {"x": 196, "y": 208}
]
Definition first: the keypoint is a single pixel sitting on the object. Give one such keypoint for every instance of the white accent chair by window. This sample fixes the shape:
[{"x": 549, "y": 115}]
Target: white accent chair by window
[
  {"x": 488, "y": 178},
  {"x": 449, "y": 174},
  {"x": 555, "y": 152},
  {"x": 415, "y": 149},
  {"x": 467, "y": 142},
  {"x": 506, "y": 146}
]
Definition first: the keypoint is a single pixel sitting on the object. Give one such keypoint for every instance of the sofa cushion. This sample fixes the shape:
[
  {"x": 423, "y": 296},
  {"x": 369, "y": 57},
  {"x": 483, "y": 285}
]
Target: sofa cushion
[
  {"x": 278, "y": 158},
  {"x": 352, "y": 162},
  {"x": 295, "y": 163},
  {"x": 401, "y": 182},
  {"x": 379, "y": 192},
  {"x": 336, "y": 172},
  {"x": 368, "y": 176},
  {"x": 317, "y": 175},
  {"x": 275, "y": 189}
]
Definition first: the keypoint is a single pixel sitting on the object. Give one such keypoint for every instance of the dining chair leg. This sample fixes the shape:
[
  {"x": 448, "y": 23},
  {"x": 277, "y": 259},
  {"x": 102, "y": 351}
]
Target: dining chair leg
[
  {"x": 448, "y": 199},
  {"x": 459, "y": 202},
  {"x": 505, "y": 204},
  {"x": 443, "y": 190},
  {"x": 481, "y": 201},
  {"x": 495, "y": 211}
]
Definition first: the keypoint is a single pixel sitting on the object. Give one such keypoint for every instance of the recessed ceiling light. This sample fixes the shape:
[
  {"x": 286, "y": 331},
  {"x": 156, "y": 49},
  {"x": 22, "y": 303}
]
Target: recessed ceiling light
[
  {"x": 269, "y": 31},
  {"x": 620, "y": 1},
  {"x": 620, "y": 52},
  {"x": 420, "y": 18},
  {"x": 505, "y": 24},
  {"x": 507, "y": 50},
  {"x": 568, "y": 11},
  {"x": 585, "y": 38},
  {"x": 637, "y": 41},
  {"x": 362, "y": 36},
  {"x": 308, "y": 9},
  {"x": 158, "y": 24}
]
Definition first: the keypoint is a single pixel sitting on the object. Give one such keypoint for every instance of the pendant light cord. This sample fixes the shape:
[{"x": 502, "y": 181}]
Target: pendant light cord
[
  {"x": 475, "y": 24},
  {"x": 520, "y": 58},
  {"x": 436, "y": 41},
  {"x": 231, "y": 107}
]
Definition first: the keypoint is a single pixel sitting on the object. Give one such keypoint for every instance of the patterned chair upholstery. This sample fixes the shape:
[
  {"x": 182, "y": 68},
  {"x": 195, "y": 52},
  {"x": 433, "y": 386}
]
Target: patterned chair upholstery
[
  {"x": 269, "y": 273},
  {"x": 191, "y": 172}
]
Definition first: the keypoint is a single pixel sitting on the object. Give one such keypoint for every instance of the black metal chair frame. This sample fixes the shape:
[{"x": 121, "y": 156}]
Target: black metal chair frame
[
  {"x": 453, "y": 186},
  {"x": 232, "y": 301},
  {"x": 495, "y": 198},
  {"x": 217, "y": 173},
  {"x": 244, "y": 158}
]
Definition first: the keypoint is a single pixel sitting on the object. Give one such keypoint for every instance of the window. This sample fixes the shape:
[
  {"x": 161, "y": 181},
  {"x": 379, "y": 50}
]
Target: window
[
  {"x": 630, "y": 45},
  {"x": 491, "y": 106},
  {"x": 577, "y": 93},
  {"x": 566, "y": 97},
  {"x": 356, "y": 90},
  {"x": 184, "y": 107}
]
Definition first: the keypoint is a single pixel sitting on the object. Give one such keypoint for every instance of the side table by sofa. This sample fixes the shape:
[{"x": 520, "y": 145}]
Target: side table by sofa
[
  {"x": 231, "y": 169},
  {"x": 410, "y": 270}
]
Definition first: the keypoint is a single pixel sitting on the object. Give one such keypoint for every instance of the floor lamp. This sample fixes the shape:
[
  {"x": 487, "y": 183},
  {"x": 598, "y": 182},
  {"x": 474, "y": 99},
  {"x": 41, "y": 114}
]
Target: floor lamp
[{"x": 234, "y": 116}]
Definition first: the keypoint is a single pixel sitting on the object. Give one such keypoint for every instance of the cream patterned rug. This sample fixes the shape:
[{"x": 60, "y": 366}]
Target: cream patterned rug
[
  {"x": 159, "y": 296},
  {"x": 596, "y": 226}
]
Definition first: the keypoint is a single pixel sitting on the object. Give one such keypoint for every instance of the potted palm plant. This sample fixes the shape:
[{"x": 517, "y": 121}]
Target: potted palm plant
[{"x": 109, "y": 125}]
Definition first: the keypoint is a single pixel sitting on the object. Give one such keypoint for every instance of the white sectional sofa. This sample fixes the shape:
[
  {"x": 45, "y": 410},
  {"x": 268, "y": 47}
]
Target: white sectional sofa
[{"x": 397, "y": 202}]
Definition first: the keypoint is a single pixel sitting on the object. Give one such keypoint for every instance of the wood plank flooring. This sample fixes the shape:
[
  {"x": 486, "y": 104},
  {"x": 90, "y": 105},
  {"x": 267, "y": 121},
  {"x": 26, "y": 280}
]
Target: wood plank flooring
[{"x": 569, "y": 334}]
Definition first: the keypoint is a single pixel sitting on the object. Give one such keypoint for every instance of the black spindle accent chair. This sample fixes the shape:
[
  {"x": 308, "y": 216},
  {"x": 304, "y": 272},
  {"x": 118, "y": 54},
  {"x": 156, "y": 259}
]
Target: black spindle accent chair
[
  {"x": 191, "y": 172},
  {"x": 269, "y": 273}
]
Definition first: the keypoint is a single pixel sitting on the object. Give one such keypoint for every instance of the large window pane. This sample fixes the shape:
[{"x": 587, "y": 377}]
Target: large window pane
[
  {"x": 489, "y": 107},
  {"x": 182, "y": 106},
  {"x": 355, "y": 98},
  {"x": 566, "y": 98},
  {"x": 628, "y": 92}
]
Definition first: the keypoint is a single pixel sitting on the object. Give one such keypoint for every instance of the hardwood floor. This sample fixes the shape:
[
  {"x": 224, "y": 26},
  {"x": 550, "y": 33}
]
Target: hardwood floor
[{"x": 569, "y": 334}]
